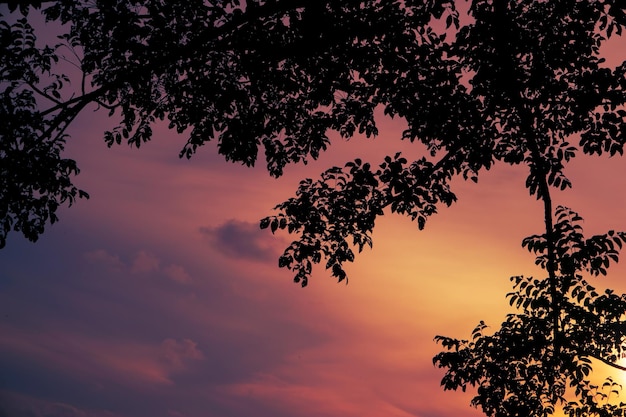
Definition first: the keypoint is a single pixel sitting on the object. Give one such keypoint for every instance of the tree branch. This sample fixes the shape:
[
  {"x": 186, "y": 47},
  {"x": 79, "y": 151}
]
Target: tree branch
[
  {"x": 606, "y": 362},
  {"x": 66, "y": 115},
  {"x": 43, "y": 94},
  {"x": 91, "y": 96}
]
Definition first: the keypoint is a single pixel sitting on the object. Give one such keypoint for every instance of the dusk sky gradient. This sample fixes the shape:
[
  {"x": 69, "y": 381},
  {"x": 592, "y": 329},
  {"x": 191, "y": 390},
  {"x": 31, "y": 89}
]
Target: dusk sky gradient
[{"x": 161, "y": 297}]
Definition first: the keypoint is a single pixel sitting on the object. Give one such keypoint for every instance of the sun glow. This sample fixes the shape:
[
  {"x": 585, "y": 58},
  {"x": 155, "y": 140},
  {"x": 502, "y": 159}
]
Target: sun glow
[{"x": 620, "y": 376}]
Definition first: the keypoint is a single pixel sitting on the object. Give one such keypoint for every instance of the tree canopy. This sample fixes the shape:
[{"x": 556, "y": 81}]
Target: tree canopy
[{"x": 478, "y": 83}]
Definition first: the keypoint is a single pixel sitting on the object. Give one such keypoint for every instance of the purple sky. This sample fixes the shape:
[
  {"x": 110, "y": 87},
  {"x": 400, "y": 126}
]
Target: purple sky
[{"x": 160, "y": 297}]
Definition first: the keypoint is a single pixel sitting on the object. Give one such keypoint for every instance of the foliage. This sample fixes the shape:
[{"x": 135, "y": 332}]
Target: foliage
[
  {"x": 258, "y": 76},
  {"x": 478, "y": 83},
  {"x": 536, "y": 83},
  {"x": 527, "y": 366},
  {"x": 34, "y": 177}
]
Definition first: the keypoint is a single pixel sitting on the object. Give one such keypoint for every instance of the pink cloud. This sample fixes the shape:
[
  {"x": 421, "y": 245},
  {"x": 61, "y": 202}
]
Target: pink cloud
[
  {"x": 244, "y": 240},
  {"x": 101, "y": 361},
  {"x": 101, "y": 256},
  {"x": 145, "y": 262},
  {"x": 177, "y": 273},
  {"x": 177, "y": 353},
  {"x": 21, "y": 405}
]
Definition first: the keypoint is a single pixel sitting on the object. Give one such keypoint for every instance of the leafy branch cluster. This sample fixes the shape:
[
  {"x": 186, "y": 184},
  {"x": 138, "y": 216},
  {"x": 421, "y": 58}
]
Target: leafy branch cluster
[
  {"x": 35, "y": 178},
  {"x": 536, "y": 85},
  {"x": 344, "y": 205},
  {"x": 255, "y": 75},
  {"x": 527, "y": 367}
]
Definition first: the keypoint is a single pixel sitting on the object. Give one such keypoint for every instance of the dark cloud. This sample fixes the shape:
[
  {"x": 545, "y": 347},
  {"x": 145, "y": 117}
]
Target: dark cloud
[
  {"x": 244, "y": 240},
  {"x": 13, "y": 404}
]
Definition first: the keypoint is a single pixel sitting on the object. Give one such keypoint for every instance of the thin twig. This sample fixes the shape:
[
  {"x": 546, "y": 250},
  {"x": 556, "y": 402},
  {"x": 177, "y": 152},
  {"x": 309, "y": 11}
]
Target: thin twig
[
  {"x": 44, "y": 94},
  {"x": 607, "y": 362}
]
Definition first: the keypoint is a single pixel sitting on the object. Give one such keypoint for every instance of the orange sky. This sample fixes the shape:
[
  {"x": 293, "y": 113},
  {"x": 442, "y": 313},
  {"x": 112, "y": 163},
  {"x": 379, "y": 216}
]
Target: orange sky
[
  {"x": 137, "y": 296},
  {"x": 160, "y": 297}
]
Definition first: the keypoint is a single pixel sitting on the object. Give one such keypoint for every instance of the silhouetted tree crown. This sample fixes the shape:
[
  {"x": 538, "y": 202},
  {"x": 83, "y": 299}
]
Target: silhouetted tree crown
[{"x": 478, "y": 82}]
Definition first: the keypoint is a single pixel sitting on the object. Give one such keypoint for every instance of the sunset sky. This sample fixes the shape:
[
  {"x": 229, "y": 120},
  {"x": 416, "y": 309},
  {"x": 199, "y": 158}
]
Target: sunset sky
[{"x": 160, "y": 297}]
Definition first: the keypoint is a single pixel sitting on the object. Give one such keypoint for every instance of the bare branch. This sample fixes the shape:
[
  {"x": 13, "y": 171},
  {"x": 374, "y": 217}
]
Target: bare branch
[
  {"x": 44, "y": 94},
  {"x": 606, "y": 362},
  {"x": 92, "y": 96}
]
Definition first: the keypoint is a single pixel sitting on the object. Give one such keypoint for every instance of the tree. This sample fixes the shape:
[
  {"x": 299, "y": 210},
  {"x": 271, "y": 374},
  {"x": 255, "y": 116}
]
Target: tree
[
  {"x": 515, "y": 82},
  {"x": 263, "y": 75}
]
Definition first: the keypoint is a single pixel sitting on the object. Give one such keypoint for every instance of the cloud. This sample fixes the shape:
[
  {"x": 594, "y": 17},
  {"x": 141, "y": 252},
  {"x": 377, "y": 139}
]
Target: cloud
[
  {"x": 145, "y": 262},
  {"x": 244, "y": 240},
  {"x": 101, "y": 361},
  {"x": 177, "y": 273},
  {"x": 14, "y": 404},
  {"x": 177, "y": 353},
  {"x": 101, "y": 256}
]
